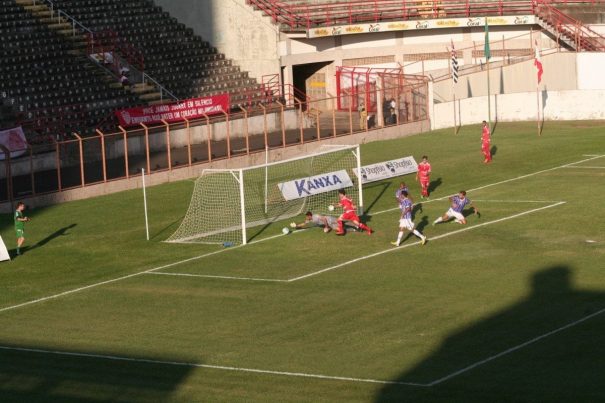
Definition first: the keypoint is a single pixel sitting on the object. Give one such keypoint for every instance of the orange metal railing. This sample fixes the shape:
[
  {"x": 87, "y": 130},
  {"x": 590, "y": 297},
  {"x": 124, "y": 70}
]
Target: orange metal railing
[{"x": 297, "y": 16}]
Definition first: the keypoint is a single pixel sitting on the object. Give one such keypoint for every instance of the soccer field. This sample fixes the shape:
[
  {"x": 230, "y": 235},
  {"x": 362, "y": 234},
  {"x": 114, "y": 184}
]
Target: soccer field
[{"x": 509, "y": 307}]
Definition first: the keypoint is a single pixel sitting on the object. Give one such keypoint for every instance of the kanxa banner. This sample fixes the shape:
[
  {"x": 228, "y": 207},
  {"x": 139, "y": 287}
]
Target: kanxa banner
[
  {"x": 190, "y": 108},
  {"x": 14, "y": 140},
  {"x": 315, "y": 184},
  {"x": 387, "y": 169}
]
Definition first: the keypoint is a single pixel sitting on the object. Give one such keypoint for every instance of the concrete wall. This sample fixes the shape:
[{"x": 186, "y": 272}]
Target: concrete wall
[
  {"x": 552, "y": 105},
  {"x": 560, "y": 74},
  {"x": 235, "y": 28},
  {"x": 572, "y": 88}
]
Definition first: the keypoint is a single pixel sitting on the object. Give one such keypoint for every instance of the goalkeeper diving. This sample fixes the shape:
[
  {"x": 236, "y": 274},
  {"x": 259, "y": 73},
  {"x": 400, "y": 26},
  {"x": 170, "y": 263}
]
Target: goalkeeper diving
[{"x": 317, "y": 220}]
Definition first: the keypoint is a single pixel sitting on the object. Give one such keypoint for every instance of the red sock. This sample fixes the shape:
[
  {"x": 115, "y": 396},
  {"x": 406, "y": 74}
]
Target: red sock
[
  {"x": 364, "y": 227},
  {"x": 340, "y": 226}
]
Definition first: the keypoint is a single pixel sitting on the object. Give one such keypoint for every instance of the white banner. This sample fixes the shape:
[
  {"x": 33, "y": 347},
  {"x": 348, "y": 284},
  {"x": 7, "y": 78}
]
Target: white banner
[
  {"x": 315, "y": 184},
  {"x": 389, "y": 26},
  {"x": 14, "y": 141},
  {"x": 387, "y": 169}
]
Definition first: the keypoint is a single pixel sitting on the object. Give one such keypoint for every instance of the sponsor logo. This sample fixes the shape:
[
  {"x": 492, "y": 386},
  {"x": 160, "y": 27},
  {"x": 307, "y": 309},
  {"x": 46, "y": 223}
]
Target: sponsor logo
[
  {"x": 397, "y": 25},
  {"x": 387, "y": 169},
  {"x": 304, "y": 187},
  {"x": 336, "y": 31},
  {"x": 447, "y": 23},
  {"x": 521, "y": 20},
  {"x": 422, "y": 25},
  {"x": 354, "y": 29},
  {"x": 320, "y": 32},
  {"x": 473, "y": 22},
  {"x": 374, "y": 28}
]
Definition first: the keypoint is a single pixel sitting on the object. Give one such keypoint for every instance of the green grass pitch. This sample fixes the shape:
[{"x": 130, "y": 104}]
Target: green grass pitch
[{"x": 509, "y": 307}]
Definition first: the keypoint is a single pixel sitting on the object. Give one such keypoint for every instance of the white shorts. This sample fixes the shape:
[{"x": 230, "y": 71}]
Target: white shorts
[
  {"x": 406, "y": 223},
  {"x": 451, "y": 213}
]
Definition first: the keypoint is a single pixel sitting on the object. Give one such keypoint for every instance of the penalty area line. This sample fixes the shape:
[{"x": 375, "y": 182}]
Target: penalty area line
[
  {"x": 359, "y": 259},
  {"x": 206, "y": 366},
  {"x": 114, "y": 280},
  {"x": 219, "y": 277},
  {"x": 592, "y": 157},
  {"x": 583, "y": 167}
]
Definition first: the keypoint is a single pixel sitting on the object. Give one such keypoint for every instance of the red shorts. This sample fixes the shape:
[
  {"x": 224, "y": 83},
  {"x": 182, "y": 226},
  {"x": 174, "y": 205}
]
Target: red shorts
[
  {"x": 485, "y": 146},
  {"x": 350, "y": 215},
  {"x": 424, "y": 182}
]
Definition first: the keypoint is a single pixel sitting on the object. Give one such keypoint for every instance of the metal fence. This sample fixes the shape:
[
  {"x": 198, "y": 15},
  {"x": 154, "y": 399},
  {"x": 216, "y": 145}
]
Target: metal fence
[{"x": 84, "y": 161}]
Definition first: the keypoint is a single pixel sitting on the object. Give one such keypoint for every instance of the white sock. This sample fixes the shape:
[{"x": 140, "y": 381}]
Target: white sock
[
  {"x": 399, "y": 237},
  {"x": 438, "y": 220},
  {"x": 418, "y": 234}
]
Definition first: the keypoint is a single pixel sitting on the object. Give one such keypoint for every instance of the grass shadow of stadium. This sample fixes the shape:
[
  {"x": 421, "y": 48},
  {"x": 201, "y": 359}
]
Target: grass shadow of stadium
[
  {"x": 530, "y": 351},
  {"x": 37, "y": 374}
]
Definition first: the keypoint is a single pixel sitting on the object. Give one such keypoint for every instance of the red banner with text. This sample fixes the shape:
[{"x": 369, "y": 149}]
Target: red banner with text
[{"x": 193, "y": 108}]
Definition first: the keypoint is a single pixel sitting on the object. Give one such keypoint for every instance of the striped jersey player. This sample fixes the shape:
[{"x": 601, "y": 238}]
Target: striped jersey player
[
  {"x": 406, "y": 206},
  {"x": 458, "y": 203},
  {"x": 402, "y": 187}
]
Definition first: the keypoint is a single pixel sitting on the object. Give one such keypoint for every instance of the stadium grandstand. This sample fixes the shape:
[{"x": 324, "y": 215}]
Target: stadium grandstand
[{"x": 100, "y": 89}]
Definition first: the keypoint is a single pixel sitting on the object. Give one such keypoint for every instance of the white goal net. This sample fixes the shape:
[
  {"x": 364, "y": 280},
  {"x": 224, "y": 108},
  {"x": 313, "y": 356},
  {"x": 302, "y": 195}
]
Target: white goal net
[{"x": 226, "y": 203}]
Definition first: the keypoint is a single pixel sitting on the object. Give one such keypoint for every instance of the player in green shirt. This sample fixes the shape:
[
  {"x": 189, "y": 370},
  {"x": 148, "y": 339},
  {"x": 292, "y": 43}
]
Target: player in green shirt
[{"x": 20, "y": 225}]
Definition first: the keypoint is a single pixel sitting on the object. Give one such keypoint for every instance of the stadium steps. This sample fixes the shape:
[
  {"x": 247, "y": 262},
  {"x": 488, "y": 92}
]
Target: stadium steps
[{"x": 572, "y": 33}]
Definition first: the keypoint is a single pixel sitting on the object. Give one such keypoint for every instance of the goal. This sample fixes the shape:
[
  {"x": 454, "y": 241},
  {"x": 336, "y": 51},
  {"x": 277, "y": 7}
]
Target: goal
[{"x": 227, "y": 203}]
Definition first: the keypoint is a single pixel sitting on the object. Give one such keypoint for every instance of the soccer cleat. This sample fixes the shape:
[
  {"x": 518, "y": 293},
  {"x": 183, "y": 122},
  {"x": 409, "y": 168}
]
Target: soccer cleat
[
  {"x": 423, "y": 241},
  {"x": 370, "y": 231},
  {"x": 394, "y": 243},
  {"x": 340, "y": 232}
]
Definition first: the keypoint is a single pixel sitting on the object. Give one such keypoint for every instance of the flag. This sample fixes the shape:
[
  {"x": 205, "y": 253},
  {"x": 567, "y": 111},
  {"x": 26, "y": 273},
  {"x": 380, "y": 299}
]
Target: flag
[
  {"x": 538, "y": 62},
  {"x": 454, "y": 64},
  {"x": 486, "y": 50}
]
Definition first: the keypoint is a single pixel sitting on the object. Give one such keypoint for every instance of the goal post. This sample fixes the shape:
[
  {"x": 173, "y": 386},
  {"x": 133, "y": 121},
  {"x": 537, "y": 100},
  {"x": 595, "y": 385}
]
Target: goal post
[{"x": 227, "y": 203}]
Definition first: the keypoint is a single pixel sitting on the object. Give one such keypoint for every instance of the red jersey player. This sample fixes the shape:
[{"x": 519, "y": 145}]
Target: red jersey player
[
  {"x": 485, "y": 146},
  {"x": 423, "y": 176},
  {"x": 349, "y": 214}
]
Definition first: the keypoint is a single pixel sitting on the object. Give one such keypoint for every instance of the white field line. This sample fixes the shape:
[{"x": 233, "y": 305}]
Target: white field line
[
  {"x": 513, "y": 349},
  {"x": 584, "y": 167},
  {"x": 593, "y": 157},
  {"x": 87, "y": 287},
  {"x": 274, "y": 280},
  {"x": 554, "y": 204},
  {"x": 303, "y": 374},
  {"x": 35, "y": 301},
  {"x": 516, "y": 201},
  {"x": 359, "y": 259},
  {"x": 207, "y": 366}
]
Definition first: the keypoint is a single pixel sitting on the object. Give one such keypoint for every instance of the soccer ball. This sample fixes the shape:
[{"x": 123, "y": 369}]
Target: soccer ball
[
  {"x": 293, "y": 224},
  {"x": 331, "y": 207},
  {"x": 285, "y": 231},
  {"x": 327, "y": 229}
]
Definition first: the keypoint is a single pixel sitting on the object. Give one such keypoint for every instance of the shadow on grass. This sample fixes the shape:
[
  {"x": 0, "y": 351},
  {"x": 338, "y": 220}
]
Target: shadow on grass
[
  {"x": 530, "y": 349},
  {"x": 56, "y": 234},
  {"x": 40, "y": 374},
  {"x": 494, "y": 150},
  {"x": 383, "y": 188},
  {"x": 434, "y": 185}
]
